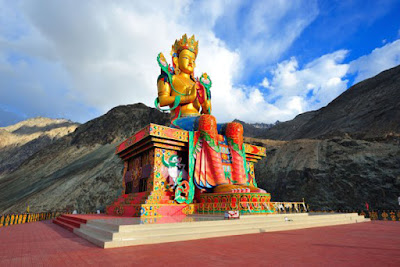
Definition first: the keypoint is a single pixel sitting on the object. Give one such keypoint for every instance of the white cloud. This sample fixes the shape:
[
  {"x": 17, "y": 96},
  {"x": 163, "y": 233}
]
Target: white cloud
[
  {"x": 79, "y": 59},
  {"x": 77, "y": 56},
  {"x": 263, "y": 30},
  {"x": 379, "y": 59},
  {"x": 294, "y": 90},
  {"x": 265, "y": 83},
  {"x": 309, "y": 87}
]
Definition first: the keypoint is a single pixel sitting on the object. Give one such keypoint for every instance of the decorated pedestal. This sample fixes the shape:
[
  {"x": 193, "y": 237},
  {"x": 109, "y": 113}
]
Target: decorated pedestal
[{"x": 156, "y": 166}]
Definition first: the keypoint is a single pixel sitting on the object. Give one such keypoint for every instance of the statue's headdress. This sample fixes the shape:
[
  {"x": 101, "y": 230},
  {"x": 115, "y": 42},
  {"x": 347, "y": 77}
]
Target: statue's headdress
[{"x": 185, "y": 43}]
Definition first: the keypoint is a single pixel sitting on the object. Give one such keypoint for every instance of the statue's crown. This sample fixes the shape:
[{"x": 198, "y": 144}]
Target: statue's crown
[{"x": 185, "y": 43}]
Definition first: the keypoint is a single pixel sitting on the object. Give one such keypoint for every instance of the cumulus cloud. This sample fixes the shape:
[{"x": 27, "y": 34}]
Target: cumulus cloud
[
  {"x": 64, "y": 61},
  {"x": 310, "y": 87},
  {"x": 293, "y": 89},
  {"x": 379, "y": 59}
]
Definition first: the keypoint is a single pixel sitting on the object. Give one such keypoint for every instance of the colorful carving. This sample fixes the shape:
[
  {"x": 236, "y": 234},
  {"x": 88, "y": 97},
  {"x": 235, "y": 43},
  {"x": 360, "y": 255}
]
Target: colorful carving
[
  {"x": 184, "y": 193},
  {"x": 246, "y": 203},
  {"x": 174, "y": 169}
]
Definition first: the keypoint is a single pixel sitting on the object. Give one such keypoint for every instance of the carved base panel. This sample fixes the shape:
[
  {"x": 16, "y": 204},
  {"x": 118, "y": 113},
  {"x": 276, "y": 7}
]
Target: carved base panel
[
  {"x": 246, "y": 203},
  {"x": 151, "y": 210}
]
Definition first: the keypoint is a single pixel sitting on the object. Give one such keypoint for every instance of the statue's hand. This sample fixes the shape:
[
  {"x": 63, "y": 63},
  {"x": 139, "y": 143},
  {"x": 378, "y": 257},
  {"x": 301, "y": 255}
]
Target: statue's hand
[
  {"x": 192, "y": 93},
  {"x": 190, "y": 96},
  {"x": 200, "y": 93}
]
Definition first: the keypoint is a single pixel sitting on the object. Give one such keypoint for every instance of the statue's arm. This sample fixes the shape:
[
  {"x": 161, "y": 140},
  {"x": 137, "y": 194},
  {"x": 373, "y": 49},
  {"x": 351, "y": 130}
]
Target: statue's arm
[
  {"x": 164, "y": 93},
  {"x": 206, "y": 107}
]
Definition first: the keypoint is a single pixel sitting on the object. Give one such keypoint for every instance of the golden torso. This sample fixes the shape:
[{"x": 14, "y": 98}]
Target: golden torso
[{"x": 185, "y": 85}]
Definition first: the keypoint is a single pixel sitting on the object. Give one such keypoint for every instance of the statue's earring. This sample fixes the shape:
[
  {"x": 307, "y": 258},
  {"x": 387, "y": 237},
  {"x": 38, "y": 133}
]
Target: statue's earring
[
  {"x": 177, "y": 70},
  {"x": 176, "y": 65}
]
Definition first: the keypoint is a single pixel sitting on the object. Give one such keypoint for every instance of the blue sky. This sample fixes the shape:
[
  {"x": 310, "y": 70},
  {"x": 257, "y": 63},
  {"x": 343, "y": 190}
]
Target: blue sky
[{"x": 268, "y": 60}]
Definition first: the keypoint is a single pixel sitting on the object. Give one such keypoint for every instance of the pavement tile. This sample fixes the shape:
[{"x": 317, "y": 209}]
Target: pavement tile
[{"x": 375, "y": 243}]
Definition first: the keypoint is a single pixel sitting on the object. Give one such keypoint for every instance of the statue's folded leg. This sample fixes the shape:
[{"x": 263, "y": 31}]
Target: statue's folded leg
[
  {"x": 234, "y": 135},
  {"x": 209, "y": 171},
  {"x": 240, "y": 184}
]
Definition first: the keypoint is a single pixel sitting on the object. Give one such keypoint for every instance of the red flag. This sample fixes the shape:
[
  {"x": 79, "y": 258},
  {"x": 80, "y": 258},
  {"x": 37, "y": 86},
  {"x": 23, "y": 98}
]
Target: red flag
[{"x": 366, "y": 205}]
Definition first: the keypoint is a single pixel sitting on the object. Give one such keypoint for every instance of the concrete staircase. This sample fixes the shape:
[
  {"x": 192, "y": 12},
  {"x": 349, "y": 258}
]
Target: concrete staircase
[{"x": 119, "y": 233}]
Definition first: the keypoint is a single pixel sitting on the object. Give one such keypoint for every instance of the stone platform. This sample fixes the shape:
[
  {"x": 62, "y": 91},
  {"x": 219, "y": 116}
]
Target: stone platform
[{"x": 110, "y": 232}]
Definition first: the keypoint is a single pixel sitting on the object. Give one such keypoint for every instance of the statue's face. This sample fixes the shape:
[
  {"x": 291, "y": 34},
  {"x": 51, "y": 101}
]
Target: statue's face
[{"x": 186, "y": 61}]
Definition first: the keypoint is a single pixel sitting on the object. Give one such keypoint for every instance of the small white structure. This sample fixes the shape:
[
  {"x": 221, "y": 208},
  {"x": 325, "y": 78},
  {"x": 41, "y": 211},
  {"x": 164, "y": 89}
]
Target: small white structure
[{"x": 232, "y": 214}]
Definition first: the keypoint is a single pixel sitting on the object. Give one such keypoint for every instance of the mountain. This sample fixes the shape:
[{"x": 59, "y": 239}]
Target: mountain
[
  {"x": 338, "y": 157},
  {"x": 79, "y": 170},
  {"x": 368, "y": 110},
  {"x": 336, "y": 173},
  {"x": 20, "y": 141},
  {"x": 255, "y": 129}
]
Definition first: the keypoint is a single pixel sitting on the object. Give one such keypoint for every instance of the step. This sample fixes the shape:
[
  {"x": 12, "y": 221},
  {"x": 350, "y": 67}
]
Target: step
[
  {"x": 104, "y": 233},
  {"x": 74, "y": 218},
  {"x": 73, "y": 223},
  {"x": 160, "y": 232},
  {"x": 205, "y": 228},
  {"x": 64, "y": 225},
  {"x": 94, "y": 238},
  {"x": 192, "y": 228},
  {"x": 210, "y": 234},
  {"x": 211, "y": 220},
  {"x": 219, "y": 221}
]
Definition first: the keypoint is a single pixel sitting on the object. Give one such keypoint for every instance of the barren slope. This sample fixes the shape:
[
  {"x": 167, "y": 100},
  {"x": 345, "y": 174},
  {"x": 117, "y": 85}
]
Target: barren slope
[
  {"x": 20, "y": 141},
  {"x": 78, "y": 171},
  {"x": 367, "y": 110}
]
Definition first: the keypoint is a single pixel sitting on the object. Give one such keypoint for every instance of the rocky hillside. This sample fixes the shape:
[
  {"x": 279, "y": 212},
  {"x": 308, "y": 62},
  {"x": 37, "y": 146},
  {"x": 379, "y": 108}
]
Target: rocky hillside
[
  {"x": 20, "y": 141},
  {"x": 337, "y": 173},
  {"x": 338, "y": 157},
  {"x": 79, "y": 170},
  {"x": 368, "y": 110}
]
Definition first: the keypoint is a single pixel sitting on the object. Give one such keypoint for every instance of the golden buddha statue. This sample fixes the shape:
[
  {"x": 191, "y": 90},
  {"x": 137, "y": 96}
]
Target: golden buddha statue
[{"x": 189, "y": 100}]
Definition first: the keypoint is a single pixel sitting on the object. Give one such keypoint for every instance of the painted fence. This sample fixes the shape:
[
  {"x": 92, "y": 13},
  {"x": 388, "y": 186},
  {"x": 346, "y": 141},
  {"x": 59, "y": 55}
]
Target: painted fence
[{"x": 12, "y": 219}]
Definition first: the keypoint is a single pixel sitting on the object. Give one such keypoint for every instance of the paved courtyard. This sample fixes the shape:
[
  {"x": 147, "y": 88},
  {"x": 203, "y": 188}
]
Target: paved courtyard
[{"x": 375, "y": 243}]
